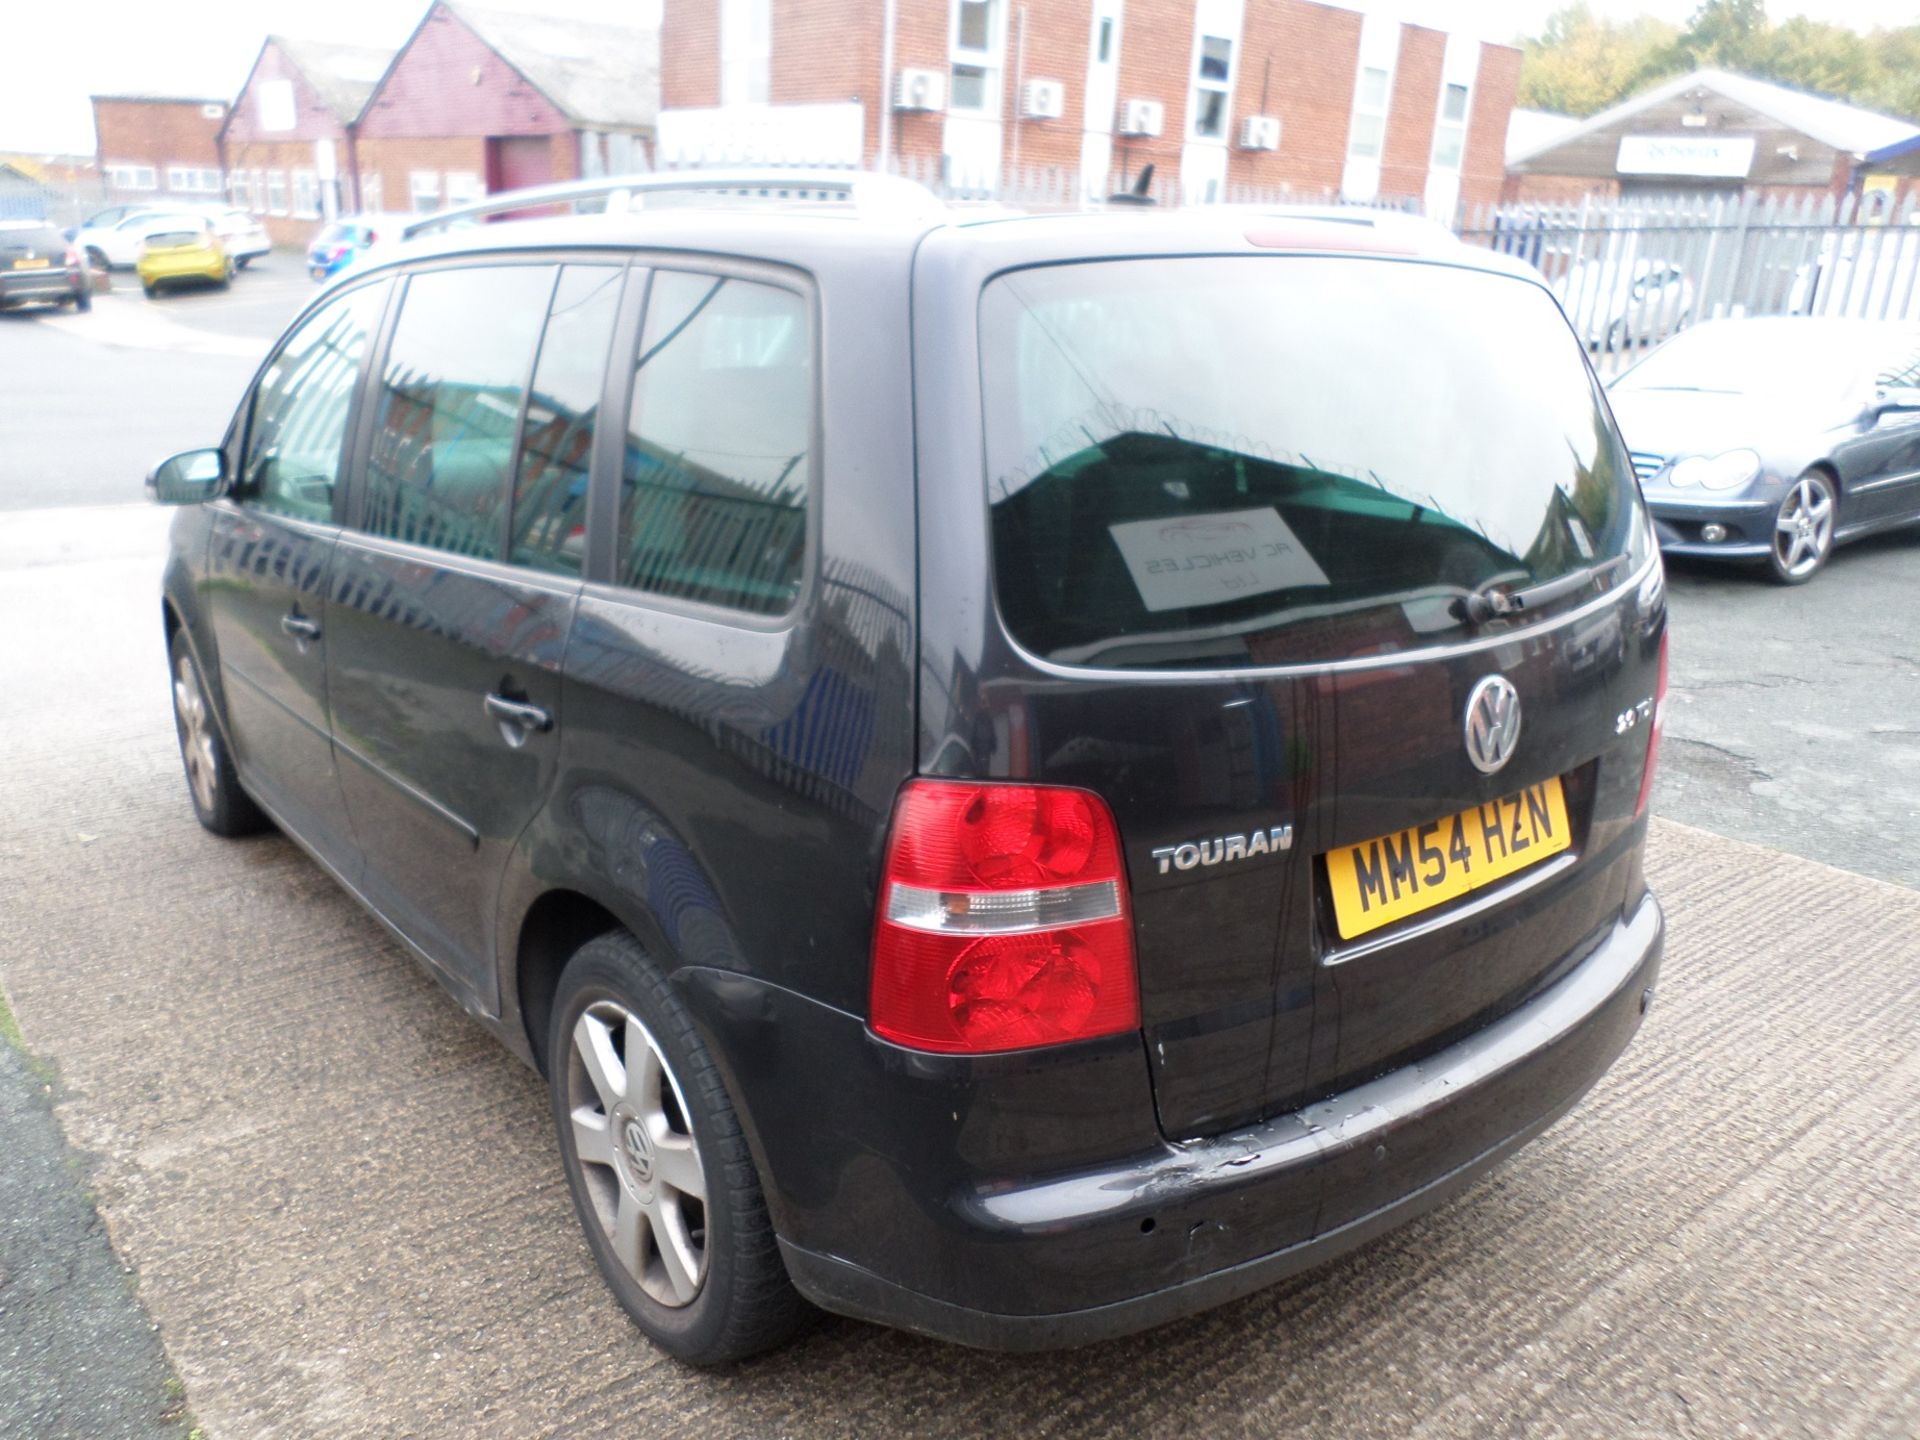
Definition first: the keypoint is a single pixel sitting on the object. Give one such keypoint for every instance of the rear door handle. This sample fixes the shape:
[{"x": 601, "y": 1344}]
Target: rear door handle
[
  {"x": 300, "y": 627},
  {"x": 517, "y": 718}
]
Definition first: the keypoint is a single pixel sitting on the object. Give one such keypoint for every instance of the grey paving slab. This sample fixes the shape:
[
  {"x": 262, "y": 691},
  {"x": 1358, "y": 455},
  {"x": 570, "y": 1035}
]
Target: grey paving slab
[{"x": 347, "y": 1219}]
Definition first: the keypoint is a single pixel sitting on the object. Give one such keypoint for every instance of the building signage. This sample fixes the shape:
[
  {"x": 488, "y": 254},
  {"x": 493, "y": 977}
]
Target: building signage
[{"x": 1709, "y": 157}]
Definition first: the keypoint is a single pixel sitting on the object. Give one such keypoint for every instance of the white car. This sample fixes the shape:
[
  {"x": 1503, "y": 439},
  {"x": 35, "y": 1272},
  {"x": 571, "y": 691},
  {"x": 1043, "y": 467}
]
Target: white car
[
  {"x": 111, "y": 238},
  {"x": 242, "y": 236},
  {"x": 1612, "y": 307}
]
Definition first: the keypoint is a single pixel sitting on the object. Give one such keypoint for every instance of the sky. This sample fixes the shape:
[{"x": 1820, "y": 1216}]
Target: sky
[{"x": 206, "y": 47}]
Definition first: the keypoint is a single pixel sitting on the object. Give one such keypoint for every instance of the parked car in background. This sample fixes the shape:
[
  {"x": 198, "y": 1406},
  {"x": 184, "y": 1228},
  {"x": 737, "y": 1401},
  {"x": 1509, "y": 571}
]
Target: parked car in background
[
  {"x": 347, "y": 240},
  {"x": 38, "y": 263},
  {"x": 111, "y": 239},
  {"x": 1774, "y": 440},
  {"x": 181, "y": 248},
  {"x": 1614, "y": 305},
  {"x": 242, "y": 235},
  {"x": 1071, "y": 859}
]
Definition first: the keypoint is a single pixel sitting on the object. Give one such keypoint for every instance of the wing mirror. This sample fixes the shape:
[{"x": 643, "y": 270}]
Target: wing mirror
[
  {"x": 1892, "y": 399},
  {"x": 188, "y": 478}
]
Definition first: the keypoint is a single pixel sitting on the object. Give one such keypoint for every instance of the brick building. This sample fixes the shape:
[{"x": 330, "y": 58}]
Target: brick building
[
  {"x": 156, "y": 146},
  {"x": 289, "y": 142},
  {"x": 1711, "y": 132},
  {"x": 1227, "y": 95},
  {"x": 480, "y": 100}
]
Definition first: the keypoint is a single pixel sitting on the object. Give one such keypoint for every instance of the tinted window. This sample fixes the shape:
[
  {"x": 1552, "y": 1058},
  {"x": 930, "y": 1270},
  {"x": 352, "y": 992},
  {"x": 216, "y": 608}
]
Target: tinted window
[
  {"x": 450, "y": 398},
  {"x": 300, "y": 407},
  {"x": 556, "y": 446},
  {"x": 714, "y": 489},
  {"x": 1258, "y": 461}
]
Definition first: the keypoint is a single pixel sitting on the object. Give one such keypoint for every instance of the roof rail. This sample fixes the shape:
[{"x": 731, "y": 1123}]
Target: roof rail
[{"x": 868, "y": 191}]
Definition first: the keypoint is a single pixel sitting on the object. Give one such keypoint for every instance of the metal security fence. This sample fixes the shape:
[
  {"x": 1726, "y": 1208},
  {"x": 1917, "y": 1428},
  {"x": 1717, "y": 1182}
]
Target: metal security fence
[{"x": 1631, "y": 272}]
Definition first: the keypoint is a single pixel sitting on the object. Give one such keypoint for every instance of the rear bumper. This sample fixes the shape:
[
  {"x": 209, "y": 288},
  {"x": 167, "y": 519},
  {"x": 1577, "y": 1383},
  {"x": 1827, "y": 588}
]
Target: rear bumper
[
  {"x": 184, "y": 267},
  {"x": 38, "y": 285},
  {"x": 1235, "y": 1213}
]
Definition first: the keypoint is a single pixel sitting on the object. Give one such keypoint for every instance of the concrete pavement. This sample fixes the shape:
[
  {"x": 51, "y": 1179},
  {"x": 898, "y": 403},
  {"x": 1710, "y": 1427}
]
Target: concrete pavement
[{"x": 348, "y": 1218}]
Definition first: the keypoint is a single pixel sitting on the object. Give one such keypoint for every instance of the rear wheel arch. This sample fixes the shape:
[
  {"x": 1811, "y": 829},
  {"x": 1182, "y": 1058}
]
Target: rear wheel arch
[{"x": 552, "y": 930}]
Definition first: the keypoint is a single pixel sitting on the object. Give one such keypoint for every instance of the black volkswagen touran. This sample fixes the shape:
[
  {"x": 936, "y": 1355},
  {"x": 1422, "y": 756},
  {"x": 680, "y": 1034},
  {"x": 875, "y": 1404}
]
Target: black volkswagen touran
[{"x": 1019, "y": 777}]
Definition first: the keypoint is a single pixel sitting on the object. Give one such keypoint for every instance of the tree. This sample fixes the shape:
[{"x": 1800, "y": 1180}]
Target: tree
[{"x": 1579, "y": 64}]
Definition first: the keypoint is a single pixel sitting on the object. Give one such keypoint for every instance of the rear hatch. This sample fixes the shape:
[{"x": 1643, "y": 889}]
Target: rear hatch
[
  {"x": 30, "y": 249},
  {"x": 1251, "y": 516}
]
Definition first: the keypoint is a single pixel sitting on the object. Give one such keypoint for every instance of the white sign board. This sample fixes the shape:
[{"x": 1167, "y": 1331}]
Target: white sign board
[
  {"x": 1195, "y": 560},
  {"x": 1707, "y": 157}
]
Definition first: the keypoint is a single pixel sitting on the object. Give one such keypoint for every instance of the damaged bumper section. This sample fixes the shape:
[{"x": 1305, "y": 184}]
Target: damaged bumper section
[{"x": 1106, "y": 1250}]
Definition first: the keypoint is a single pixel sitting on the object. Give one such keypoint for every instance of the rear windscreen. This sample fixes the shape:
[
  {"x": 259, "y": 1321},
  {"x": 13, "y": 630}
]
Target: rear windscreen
[{"x": 1265, "y": 460}]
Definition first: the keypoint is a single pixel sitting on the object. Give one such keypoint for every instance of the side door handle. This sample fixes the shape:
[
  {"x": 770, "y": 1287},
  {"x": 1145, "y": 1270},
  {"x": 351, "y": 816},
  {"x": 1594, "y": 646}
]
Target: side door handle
[
  {"x": 300, "y": 627},
  {"x": 517, "y": 718}
]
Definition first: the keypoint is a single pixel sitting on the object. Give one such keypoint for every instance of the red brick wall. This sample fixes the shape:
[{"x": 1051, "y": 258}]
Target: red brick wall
[
  {"x": 1305, "y": 55},
  {"x": 1057, "y": 40},
  {"x": 285, "y": 156},
  {"x": 157, "y": 133},
  {"x": 1483, "y": 170},
  {"x": 394, "y": 160},
  {"x": 432, "y": 90},
  {"x": 821, "y": 54},
  {"x": 920, "y": 42},
  {"x": 1555, "y": 189},
  {"x": 690, "y": 54},
  {"x": 1416, "y": 99},
  {"x": 312, "y": 119},
  {"x": 1156, "y": 63}
]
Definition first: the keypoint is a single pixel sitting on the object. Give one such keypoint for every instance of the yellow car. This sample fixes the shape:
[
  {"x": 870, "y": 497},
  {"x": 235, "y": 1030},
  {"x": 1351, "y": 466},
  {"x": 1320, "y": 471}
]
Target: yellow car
[{"x": 181, "y": 247}]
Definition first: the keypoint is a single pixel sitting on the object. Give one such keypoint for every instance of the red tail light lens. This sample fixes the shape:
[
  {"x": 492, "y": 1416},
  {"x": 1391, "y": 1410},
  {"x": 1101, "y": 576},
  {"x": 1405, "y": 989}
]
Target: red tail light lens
[
  {"x": 73, "y": 258},
  {"x": 1653, "y": 731},
  {"x": 1003, "y": 920}
]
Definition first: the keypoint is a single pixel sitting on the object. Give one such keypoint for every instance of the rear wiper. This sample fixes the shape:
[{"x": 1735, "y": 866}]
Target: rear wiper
[{"x": 1482, "y": 605}]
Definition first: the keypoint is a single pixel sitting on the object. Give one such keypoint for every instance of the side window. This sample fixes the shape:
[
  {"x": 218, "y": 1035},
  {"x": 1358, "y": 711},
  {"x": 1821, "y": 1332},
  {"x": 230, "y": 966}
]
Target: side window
[
  {"x": 299, "y": 421},
  {"x": 450, "y": 397},
  {"x": 714, "y": 486},
  {"x": 548, "y": 528}
]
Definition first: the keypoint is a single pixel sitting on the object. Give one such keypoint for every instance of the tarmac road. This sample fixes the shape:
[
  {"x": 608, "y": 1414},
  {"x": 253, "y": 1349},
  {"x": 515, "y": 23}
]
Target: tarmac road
[{"x": 347, "y": 1217}]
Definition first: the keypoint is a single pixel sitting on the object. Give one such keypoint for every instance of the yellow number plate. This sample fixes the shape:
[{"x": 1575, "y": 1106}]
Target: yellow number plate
[
  {"x": 1380, "y": 881},
  {"x": 31, "y": 264}
]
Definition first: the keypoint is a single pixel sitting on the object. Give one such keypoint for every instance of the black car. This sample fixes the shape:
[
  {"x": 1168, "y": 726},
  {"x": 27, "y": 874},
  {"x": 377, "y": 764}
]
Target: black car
[
  {"x": 38, "y": 264},
  {"x": 1775, "y": 440},
  {"x": 1019, "y": 777}
]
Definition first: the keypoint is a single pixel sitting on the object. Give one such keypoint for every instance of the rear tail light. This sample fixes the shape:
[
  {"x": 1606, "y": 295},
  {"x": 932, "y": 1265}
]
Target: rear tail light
[
  {"x": 1653, "y": 731},
  {"x": 73, "y": 258},
  {"x": 1003, "y": 920}
]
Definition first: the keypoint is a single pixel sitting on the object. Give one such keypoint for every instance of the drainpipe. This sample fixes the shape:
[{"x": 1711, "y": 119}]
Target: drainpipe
[
  {"x": 1019, "y": 76},
  {"x": 886, "y": 87}
]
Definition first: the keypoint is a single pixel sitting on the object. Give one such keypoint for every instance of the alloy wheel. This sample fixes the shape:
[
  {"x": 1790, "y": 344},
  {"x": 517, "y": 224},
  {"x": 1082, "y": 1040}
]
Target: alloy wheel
[
  {"x": 1803, "y": 530},
  {"x": 633, "y": 1143},
  {"x": 196, "y": 733}
]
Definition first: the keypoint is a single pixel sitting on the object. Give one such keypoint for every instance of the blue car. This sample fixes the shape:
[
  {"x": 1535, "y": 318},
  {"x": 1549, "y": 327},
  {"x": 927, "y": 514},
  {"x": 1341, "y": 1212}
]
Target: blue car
[{"x": 345, "y": 240}]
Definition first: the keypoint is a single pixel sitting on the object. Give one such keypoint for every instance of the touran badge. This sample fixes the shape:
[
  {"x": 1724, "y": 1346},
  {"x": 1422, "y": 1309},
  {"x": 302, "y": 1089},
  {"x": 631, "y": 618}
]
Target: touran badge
[{"x": 1493, "y": 723}]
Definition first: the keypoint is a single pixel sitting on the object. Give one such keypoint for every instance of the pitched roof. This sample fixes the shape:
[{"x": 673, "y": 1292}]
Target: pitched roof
[
  {"x": 1529, "y": 130},
  {"x": 342, "y": 75},
  {"x": 595, "y": 73},
  {"x": 1831, "y": 122}
]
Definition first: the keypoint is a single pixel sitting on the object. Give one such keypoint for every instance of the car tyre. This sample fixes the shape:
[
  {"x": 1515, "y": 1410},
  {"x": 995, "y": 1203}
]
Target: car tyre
[
  {"x": 1803, "y": 529},
  {"x": 212, "y": 784},
  {"x": 83, "y": 298},
  {"x": 699, "y": 1273},
  {"x": 152, "y": 291},
  {"x": 243, "y": 262}
]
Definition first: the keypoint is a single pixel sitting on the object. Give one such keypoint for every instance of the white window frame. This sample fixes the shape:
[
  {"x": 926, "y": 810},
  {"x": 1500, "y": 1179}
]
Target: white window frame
[
  {"x": 746, "y": 51},
  {"x": 276, "y": 192},
  {"x": 372, "y": 190},
  {"x": 130, "y": 175},
  {"x": 1200, "y": 85},
  {"x": 418, "y": 183},
  {"x": 463, "y": 187},
  {"x": 306, "y": 194},
  {"x": 1364, "y": 110},
  {"x": 990, "y": 61},
  {"x": 1456, "y": 129},
  {"x": 240, "y": 190}
]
